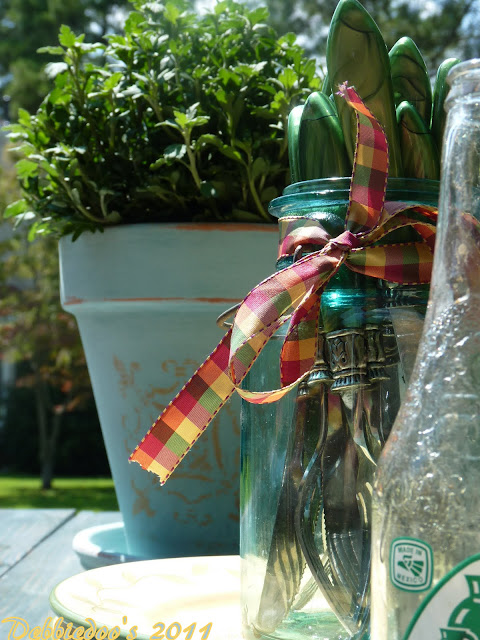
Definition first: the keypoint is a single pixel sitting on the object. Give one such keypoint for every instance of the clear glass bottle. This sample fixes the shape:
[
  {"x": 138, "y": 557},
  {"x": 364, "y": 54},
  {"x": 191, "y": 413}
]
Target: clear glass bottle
[
  {"x": 426, "y": 505},
  {"x": 308, "y": 461}
]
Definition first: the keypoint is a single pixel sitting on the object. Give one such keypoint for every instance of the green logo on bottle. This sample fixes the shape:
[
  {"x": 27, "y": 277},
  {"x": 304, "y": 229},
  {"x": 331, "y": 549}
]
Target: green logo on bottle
[
  {"x": 451, "y": 611},
  {"x": 464, "y": 621},
  {"x": 411, "y": 564}
]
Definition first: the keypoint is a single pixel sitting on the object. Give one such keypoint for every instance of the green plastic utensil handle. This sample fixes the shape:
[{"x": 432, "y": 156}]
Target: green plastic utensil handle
[
  {"x": 440, "y": 91},
  {"x": 410, "y": 77},
  {"x": 419, "y": 150},
  {"x": 356, "y": 53},
  {"x": 321, "y": 148},
  {"x": 293, "y": 133}
]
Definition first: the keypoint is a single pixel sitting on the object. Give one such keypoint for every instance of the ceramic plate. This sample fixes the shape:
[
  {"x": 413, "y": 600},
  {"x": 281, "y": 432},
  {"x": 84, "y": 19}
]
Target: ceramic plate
[
  {"x": 102, "y": 546},
  {"x": 168, "y": 599}
]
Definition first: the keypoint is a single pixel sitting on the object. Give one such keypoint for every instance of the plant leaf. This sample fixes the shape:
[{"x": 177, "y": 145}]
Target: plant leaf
[
  {"x": 66, "y": 37},
  {"x": 181, "y": 118},
  {"x": 208, "y": 190},
  {"x": 52, "y": 51},
  {"x": 26, "y": 168},
  {"x": 259, "y": 168},
  {"x": 52, "y": 69},
  {"x": 175, "y": 151},
  {"x": 172, "y": 12},
  {"x": 288, "y": 78},
  {"x": 16, "y": 208}
]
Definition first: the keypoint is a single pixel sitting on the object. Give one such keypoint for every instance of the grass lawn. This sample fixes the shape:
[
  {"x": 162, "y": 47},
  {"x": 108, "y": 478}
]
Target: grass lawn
[{"x": 93, "y": 494}]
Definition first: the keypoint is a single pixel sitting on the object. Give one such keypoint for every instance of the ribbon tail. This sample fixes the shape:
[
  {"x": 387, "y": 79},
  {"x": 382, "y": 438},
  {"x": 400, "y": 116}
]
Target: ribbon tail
[
  {"x": 370, "y": 168},
  {"x": 187, "y": 416},
  {"x": 297, "y": 356}
]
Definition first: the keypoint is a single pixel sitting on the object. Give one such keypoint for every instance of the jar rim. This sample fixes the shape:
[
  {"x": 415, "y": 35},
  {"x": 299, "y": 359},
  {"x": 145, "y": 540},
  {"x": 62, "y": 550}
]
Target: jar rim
[
  {"x": 310, "y": 196},
  {"x": 461, "y": 69},
  {"x": 323, "y": 185}
]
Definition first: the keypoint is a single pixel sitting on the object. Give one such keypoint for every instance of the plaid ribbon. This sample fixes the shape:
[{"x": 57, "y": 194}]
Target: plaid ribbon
[{"x": 293, "y": 294}]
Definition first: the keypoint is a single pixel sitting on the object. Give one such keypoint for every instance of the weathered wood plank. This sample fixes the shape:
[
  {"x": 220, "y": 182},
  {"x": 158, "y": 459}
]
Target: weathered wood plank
[
  {"x": 25, "y": 588},
  {"x": 21, "y": 530}
]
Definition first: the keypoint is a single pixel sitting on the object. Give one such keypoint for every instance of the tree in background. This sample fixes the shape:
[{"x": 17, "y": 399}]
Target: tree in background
[
  {"x": 440, "y": 28},
  {"x": 35, "y": 331},
  {"x": 27, "y": 25}
]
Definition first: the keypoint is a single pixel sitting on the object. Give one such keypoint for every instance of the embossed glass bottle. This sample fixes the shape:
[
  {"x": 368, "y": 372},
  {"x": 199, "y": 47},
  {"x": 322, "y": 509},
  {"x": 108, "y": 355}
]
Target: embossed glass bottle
[
  {"x": 308, "y": 460},
  {"x": 426, "y": 518}
]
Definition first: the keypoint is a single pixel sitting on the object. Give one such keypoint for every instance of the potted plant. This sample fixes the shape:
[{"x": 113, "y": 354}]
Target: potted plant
[{"x": 169, "y": 139}]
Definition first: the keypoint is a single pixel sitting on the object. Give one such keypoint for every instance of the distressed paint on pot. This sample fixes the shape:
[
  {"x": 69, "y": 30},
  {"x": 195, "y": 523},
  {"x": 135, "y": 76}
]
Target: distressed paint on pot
[{"x": 146, "y": 298}]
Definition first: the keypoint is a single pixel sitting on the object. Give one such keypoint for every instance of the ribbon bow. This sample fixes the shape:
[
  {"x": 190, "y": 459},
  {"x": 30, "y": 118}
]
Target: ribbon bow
[{"x": 293, "y": 294}]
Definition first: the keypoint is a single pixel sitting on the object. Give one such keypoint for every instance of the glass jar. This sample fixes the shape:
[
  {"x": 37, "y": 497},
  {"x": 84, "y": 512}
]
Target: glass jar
[{"x": 308, "y": 461}]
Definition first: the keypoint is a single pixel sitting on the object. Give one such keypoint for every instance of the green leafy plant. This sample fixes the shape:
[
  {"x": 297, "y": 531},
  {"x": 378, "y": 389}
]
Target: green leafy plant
[{"x": 180, "y": 118}]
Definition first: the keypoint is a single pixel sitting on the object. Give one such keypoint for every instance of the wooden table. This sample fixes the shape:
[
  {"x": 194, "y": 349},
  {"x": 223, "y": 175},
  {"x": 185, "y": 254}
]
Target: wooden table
[{"x": 35, "y": 555}]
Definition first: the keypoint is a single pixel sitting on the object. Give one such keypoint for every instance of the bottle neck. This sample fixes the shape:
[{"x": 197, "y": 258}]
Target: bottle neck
[
  {"x": 448, "y": 359},
  {"x": 456, "y": 270}
]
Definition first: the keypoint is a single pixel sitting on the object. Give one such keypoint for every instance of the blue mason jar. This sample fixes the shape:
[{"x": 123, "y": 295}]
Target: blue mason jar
[{"x": 308, "y": 460}]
